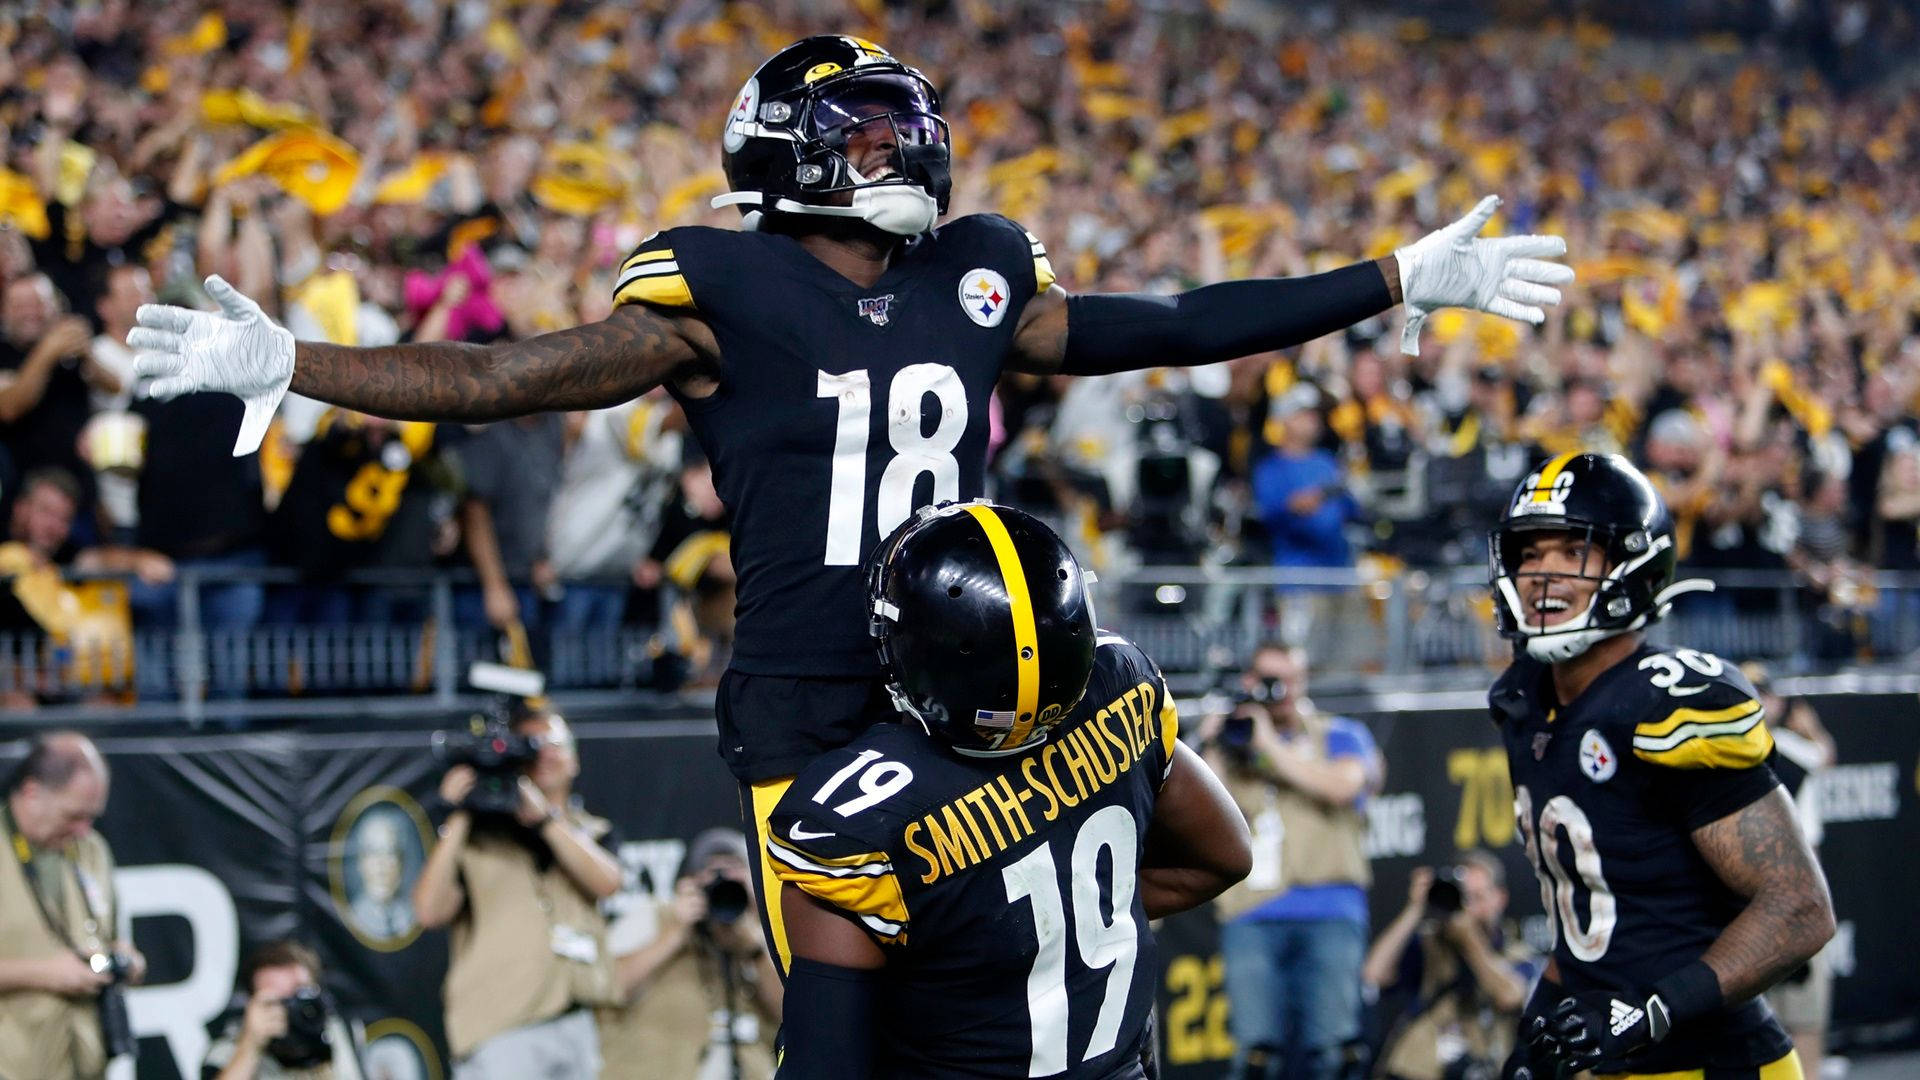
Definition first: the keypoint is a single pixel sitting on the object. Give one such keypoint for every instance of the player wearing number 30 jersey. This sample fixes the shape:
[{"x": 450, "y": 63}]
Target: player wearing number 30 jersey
[
  {"x": 1676, "y": 880},
  {"x": 966, "y": 893}
]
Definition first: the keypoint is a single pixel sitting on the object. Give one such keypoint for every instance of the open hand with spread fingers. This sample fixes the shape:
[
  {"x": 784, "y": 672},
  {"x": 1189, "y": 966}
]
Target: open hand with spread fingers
[
  {"x": 236, "y": 350},
  {"x": 1509, "y": 276}
]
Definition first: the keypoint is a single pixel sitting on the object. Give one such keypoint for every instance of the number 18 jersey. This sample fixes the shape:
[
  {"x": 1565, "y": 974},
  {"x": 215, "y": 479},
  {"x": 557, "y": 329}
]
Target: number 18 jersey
[
  {"x": 840, "y": 410},
  {"x": 1608, "y": 790},
  {"x": 1003, "y": 889}
]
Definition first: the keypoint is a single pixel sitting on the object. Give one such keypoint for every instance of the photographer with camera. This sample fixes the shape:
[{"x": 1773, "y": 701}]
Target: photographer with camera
[
  {"x": 1293, "y": 933},
  {"x": 1468, "y": 970},
  {"x": 282, "y": 1025},
  {"x": 703, "y": 995},
  {"x": 63, "y": 1007},
  {"x": 518, "y": 872}
]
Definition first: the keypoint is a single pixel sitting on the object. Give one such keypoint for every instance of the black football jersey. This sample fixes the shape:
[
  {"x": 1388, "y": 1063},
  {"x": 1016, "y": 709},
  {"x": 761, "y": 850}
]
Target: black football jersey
[
  {"x": 841, "y": 409},
  {"x": 1608, "y": 791},
  {"x": 1003, "y": 889}
]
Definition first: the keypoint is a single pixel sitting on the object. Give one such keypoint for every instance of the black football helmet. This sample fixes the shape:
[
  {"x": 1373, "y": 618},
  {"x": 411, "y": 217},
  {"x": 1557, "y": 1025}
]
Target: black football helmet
[
  {"x": 984, "y": 625},
  {"x": 784, "y": 144},
  {"x": 1617, "y": 509}
]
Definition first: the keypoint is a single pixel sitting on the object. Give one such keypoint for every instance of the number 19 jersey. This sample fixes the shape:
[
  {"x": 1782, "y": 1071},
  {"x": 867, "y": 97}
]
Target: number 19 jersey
[
  {"x": 1608, "y": 790},
  {"x": 840, "y": 409},
  {"x": 1003, "y": 889}
]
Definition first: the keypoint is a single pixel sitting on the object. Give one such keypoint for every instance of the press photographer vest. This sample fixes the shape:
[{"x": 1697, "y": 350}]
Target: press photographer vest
[
  {"x": 48, "y": 1036},
  {"x": 1297, "y": 839},
  {"x": 503, "y": 971},
  {"x": 1455, "y": 1019}
]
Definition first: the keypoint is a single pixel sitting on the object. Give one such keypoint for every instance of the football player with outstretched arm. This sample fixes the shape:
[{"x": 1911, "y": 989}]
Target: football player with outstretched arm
[
  {"x": 966, "y": 893},
  {"x": 1670, "y": 863},
  {"x": 836, "y": 359}
]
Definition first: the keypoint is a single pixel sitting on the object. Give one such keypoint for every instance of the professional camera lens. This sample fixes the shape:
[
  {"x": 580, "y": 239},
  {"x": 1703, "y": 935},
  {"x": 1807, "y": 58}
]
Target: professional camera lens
[
  {"x": 726, "y": 900},
  {"x": 1443, "y": 897}
]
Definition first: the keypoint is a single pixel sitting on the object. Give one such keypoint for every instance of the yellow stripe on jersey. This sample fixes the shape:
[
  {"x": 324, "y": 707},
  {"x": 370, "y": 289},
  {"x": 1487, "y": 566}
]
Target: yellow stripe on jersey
[
  {"x": 766, "y": 796},
  {"x": 668, "y": 290},
  {"x": 646, "y": 257},
  {"x": 1543, "y": 491},
  {"x": 1043, "y": 275},
  {"x": 1169, "y": 722},
  {"x": 1026, "y": 642},
  {"x": 1735, "y": 737},
  {"x": 860, "y": 885}
]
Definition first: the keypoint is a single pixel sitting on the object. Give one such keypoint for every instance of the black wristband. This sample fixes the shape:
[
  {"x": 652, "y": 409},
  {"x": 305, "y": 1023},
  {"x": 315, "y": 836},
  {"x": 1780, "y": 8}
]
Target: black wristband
[
  {"x": 1110, "y": 332},
  {"x": 1690, "y": 992}
]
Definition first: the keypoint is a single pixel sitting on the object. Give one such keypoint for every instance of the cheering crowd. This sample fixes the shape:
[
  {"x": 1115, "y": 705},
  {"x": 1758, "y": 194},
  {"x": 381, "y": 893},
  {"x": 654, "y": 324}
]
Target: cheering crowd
[{"x": 1747, "y": 240}]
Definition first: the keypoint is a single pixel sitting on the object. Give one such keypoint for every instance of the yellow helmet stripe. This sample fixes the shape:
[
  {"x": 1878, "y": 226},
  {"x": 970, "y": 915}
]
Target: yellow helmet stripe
[
  {"x": 1026, "y": 643},
  {"x": 1551, "y": 472}
]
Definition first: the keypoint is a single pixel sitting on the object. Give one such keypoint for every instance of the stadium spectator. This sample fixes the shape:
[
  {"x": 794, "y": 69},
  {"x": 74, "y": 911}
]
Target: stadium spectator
[
  {"x": 46, "y": 376},
  {"x": 1294, "y": 933},
  {"x": 1301, "y": 488},
  {"x": 510, "y": 470},
  {"x": 614, "y": 486},
  {"x": 1468, "y": 970},
  {"x": 703, "y": 997},
  {"x": 257, "y": 1040},
  {"x": 58, "y": 912},
  {"x": 520, "y": 891}
]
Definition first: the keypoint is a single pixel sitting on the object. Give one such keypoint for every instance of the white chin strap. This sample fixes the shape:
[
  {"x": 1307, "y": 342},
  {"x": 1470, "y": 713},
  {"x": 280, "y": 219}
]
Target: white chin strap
[{"x": 898, "y": 208}]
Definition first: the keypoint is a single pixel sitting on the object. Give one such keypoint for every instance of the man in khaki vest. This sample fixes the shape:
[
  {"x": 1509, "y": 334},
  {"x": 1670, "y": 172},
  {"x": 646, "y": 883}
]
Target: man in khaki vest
[
  {"x": 57, "y": 914},
  {"x": 705, "y": 996},
  {"x": 528, "y": 959},
  {"x": 1293, "y": 933},
  {"x": 1468, "y": 968}
]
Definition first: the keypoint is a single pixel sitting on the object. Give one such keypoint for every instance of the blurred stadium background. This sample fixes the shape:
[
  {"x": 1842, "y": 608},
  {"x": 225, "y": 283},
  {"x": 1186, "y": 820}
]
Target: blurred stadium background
[{"x": 1737, "y": 182}]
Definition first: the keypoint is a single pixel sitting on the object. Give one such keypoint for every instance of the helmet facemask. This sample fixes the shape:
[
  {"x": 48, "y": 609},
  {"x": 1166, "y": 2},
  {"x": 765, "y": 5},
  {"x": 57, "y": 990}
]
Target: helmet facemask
[
  {"x": 905, "y": 195},
  {"x": 1611, "y": 609}
]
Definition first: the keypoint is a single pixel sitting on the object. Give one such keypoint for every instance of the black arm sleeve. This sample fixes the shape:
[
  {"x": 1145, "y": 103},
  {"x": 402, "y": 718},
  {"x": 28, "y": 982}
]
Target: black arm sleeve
[
  {"x": 828, "y": 1023},
  {"x": 1109, "y": 332}
]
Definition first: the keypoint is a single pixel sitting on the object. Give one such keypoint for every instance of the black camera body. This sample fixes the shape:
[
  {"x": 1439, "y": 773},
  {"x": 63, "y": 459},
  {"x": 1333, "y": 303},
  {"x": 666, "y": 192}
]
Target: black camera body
[
  {"x": 1443, "y": 896},
  {"x": 306, "y": 1043},
  {"x": 727, "y": 900},
  {"x": 495, "y": 752},
  {"x": 116, "y": 1025}
]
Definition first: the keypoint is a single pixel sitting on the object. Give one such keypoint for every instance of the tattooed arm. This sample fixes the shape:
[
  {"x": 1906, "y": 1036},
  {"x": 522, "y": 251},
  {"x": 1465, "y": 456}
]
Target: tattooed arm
[
  {"x": 1759, "y": 853},
  {"x": 601, "y": 364}
]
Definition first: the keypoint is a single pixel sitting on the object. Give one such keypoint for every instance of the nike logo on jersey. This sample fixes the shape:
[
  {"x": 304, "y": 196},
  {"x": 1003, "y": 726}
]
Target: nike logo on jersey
[
  {"x": 1625, "y": 1016},
  {"x": 798, "y": 833}
]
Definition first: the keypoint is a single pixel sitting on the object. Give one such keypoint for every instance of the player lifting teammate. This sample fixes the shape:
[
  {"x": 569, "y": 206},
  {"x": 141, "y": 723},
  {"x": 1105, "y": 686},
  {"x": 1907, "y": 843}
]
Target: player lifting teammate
[
  {"x": 1668, "y": 856},
  {"x": 836, "y": 360},
  {"x": 967, "y": 893}
]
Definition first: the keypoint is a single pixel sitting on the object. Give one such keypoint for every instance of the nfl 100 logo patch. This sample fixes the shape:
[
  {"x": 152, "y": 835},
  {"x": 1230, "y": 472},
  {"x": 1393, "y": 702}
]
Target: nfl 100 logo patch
[{"x": 875, "y": 309}]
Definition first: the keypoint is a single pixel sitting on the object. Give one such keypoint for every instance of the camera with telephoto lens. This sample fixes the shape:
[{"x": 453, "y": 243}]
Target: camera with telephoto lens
[
  {"x": 116, "y": 1026},
  {"x": 1443, "y": 896},
  {"x": 1236, "y": 734},
  {"x": 727, "y": 900},
  {"x": 497, "y": 754},
  {"x": 306, "y": 1043}
]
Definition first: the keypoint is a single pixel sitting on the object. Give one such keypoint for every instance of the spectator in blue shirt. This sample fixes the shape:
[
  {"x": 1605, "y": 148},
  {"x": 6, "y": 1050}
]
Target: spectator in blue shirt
[{"x": 1301, "y": 488}]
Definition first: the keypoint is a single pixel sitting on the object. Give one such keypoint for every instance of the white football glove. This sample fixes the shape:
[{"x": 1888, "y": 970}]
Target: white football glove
[
  {"x": 236, "y": 350},
  {"x": 1505, "y": 275}
]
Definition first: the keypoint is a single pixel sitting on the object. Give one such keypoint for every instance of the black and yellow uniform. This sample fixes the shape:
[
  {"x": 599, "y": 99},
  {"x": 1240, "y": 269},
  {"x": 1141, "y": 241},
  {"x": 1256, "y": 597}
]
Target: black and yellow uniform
[
  {"x": 1002, "y": 888},
  {"x": 840, "y": 411},
  {"x": 1609, "y": 790}
]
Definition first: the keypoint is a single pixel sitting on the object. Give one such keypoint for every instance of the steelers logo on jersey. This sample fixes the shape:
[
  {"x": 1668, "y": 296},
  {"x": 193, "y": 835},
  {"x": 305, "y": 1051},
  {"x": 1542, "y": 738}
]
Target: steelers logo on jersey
[
  {"x": 984, "y": 296},
  {"x": 1596, "y": 757}
]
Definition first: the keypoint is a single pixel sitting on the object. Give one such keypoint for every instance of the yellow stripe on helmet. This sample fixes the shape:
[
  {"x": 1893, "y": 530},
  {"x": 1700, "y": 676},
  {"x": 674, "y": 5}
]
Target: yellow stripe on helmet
[
  {"x": 1026, "y": 643},
  {"x": 1551, "y": 472}
]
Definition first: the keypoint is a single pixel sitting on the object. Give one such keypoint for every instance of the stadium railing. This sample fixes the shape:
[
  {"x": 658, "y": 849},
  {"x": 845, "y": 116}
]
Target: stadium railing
[{"x": 1410, "y": 629}]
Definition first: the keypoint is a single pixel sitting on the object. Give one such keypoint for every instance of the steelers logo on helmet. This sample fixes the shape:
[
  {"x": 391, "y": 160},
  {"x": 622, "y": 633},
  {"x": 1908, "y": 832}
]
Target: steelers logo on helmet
[
  {"x": 1615, "y": 513},
  {"x": 834, "y": 126},
  {"x": 983, "y": 623}
]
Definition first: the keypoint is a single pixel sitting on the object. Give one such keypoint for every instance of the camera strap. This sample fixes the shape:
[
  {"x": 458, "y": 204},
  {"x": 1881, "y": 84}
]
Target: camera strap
[{"x": 23, "y": 851}]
